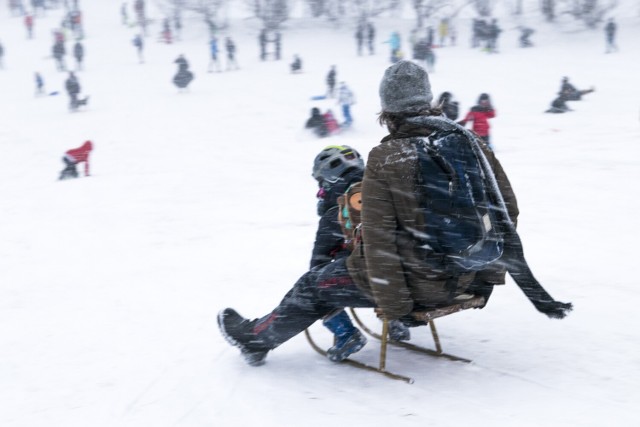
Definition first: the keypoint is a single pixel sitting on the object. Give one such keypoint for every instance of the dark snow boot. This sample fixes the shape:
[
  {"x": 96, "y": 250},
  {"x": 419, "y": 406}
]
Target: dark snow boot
[
  {"x": 398, "y": 331},
  {"x": 348, "y": 339},
  {"x": 238, "y": 332}
]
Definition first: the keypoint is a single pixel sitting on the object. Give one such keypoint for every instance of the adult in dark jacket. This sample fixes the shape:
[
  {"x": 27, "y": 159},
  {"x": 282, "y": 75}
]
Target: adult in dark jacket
[
  {"x": 360, "y": 37},
  {"x": 387, "y": 269},
  {"x": 371, "y": 36},
  {"x": 493, "y": 32},
  {"x": 331, "y": 81},
  {"x": 525, "y": 33},
  {"x": 78, "y": 53},
  {"x": 316, "y": 123},
  {"x": 449, "y": 107},
  {"x": 610, "y": 33},
  {"x": 569, "y": 91},
  {"x": 296, "y": 65},
  {"x": 72, "y": 85},
  {"x": 59, "y": 52},
  {"x": 183, "y": 77},
  {"x": 230, "y": 45}
]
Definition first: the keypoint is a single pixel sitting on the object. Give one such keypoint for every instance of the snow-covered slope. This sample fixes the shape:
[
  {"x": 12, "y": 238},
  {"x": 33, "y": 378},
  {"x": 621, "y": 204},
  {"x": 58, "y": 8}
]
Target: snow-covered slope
[{"x": 109, "y": 285}]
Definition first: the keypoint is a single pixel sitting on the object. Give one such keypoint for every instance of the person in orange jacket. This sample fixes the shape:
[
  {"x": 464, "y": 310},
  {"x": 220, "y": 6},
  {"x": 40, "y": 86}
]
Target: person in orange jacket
[{"x": 73, "y": 157}]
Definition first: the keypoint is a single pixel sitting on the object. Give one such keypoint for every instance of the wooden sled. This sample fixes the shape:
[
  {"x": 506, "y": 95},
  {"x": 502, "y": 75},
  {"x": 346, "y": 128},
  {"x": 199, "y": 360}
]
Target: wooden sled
[{"x": 427, "y": 317}]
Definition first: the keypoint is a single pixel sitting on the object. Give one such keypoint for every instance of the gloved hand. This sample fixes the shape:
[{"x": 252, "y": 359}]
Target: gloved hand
[{"x": 553, "y": 309}]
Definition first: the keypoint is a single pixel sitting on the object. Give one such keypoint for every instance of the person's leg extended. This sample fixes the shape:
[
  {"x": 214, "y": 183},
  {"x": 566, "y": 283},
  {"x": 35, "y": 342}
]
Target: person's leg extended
[{"x": 316, "y": 294}]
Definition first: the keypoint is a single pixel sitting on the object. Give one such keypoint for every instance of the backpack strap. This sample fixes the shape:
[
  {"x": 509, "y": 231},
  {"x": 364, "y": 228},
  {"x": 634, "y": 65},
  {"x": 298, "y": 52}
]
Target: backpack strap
[
  {"x": 349, "y": 214},
  {"x": 440, "y": 123}
]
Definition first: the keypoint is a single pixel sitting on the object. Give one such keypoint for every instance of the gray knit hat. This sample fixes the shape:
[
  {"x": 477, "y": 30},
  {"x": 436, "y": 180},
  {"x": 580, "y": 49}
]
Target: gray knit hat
[{"x": 405, "y": 87}]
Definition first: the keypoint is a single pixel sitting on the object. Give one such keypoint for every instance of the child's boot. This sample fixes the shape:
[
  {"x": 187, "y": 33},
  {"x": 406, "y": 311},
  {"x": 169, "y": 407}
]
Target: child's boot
[{"x": 348, "y": 339}]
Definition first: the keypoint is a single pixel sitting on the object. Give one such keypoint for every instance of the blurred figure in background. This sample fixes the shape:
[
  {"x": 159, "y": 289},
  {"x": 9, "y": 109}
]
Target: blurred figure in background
[{"x": 75, "y": 156}]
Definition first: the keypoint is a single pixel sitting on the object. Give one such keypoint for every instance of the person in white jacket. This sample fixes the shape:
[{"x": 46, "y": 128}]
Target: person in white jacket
[{"x": 346, "y": 99}]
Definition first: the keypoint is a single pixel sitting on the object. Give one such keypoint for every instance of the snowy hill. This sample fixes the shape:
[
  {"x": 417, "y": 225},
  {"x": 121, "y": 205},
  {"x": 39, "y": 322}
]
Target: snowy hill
[{"x": 109, "y": 285}]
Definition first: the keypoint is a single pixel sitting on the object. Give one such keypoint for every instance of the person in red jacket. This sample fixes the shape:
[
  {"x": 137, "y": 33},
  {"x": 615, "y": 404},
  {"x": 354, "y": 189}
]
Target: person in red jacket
[
  {"x": 28, "y": 22},
  {"x": 480, "y": 115},
  {"x": 330, "y": 122},
  {"x": 73, "y": 157}
]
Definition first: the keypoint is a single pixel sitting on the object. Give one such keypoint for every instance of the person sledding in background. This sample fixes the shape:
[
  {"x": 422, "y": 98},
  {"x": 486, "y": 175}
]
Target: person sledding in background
[
  {"x": 184, "y": 76},
  {"x": 73, "y": 157},
  {"x": 322, "y": 125},
  {"x": 559, "y": 105},
  {"x": 569, "y": 91},
  {"x": 331, "y": 123},
  {"x": 316, "y": 123},
  {"x": 72, "y": 85},
  {"x": 479, "y": 115}
]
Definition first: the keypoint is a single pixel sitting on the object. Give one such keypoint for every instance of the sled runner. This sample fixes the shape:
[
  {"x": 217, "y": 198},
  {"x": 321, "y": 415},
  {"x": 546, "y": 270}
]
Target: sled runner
[{"x": 424, "y": 316}]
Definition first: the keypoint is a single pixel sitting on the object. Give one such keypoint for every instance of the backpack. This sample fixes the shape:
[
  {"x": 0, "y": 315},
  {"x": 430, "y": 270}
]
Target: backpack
[
  {"x": 462, "y": 232},
  {"x": 349, "y": 209}
]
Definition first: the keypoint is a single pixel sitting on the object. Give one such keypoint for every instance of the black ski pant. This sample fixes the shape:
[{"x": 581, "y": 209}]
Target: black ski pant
[
  {"x": 70, "y": 170},
  {"x": 316, "y": 294},
  {"x": 73, "y": 101}
]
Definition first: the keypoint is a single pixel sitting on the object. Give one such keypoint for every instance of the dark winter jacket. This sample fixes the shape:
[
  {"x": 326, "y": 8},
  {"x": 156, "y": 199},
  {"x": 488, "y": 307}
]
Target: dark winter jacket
[
  {"x": 316, "y": 123},
  {"x": 72, "y": 86},
  {"x": 78, "y": 51},
  {"x": 331, "y": 78},
  {"x": 389, "y": 265},
  {"x": 329, "y": 243},
  {"x": 569, "y": 92},
  {"x": 183, "y": 77},
  {"x": 449, "y": 107},
  {"x": 58, "y": 50},
  {"x": 231, "y": 48},
  {"x": 610, "y": 30}
]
